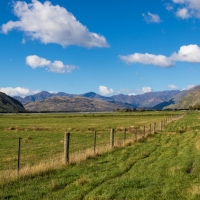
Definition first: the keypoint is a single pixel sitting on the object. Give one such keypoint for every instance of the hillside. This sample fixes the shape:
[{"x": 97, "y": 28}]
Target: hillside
[
  {"x": 9, "y": 104},
  {"x": 74, "y": 104},
  {"x": 193, "y": 98},
  {"x": 180, "y": 100}
]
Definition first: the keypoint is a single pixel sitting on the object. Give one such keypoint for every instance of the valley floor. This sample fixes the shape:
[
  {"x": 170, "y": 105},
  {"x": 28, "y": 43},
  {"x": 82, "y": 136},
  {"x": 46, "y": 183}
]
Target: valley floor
[{"x": 164, "y": 166}]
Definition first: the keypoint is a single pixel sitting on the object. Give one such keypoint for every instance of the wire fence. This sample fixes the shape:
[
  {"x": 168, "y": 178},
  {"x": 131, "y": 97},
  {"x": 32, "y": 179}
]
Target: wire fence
[{"x": 29, "y": 152}]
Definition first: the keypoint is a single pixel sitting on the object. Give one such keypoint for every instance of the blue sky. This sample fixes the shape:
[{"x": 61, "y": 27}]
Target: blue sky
[{"x": 106, "y": 46}]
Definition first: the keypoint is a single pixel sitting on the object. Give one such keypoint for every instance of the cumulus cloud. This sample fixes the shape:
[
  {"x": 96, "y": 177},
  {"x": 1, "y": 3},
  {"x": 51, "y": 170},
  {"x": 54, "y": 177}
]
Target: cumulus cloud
[
  {"x": 187, "y": 53},
  {"x": 133, "y": 92},
  {"x": 188, "y": 87},
  {"x": 105, "y": 91},
  {"x": 57, "y": 66},
  {"x": 146, "y": 89},
  {"x": 148, "y": 59},
  {"x": 151, "y": 18},
  {"x": 18, "y": 91},
  {"x": 52, "y": 24},
  {"x": 183, "y": 13},
  {"x": 169, "y": 7},
  {"x": 173, "y": 87},
  {"x": 188, "y": 8}
]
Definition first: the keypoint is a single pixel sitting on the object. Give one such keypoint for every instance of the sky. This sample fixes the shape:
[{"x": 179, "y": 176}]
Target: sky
[{"x": 106, "y": 46}]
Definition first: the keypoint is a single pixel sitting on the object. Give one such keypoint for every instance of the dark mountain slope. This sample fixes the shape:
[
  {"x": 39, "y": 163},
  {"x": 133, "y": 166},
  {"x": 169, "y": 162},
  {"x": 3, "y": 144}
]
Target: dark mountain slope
[{"x": 9, "y": 104}]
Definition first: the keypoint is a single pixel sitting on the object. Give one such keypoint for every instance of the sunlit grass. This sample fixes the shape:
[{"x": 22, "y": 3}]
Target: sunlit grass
[{"x": 165, "y": 165}]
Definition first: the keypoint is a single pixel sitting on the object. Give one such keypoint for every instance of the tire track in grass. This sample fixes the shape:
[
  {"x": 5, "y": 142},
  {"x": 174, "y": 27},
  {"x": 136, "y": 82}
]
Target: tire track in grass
[
  {"x": 120, "y": 174},
  {"x": 162, "y": 142}
]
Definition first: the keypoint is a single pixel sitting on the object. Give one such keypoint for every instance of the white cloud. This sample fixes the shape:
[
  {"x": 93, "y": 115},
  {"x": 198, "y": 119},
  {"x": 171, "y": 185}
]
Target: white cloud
[
  {"x": 188, "y": 87},
  {"x": 151, "y": 18},
  {"x": 188, "y": 8},
  {"x": 173, "y": 87},
  {"x": 18, "y": 91},
  {"x": 169, "y": 7},
  {"x": 105, "y": 91},
  {"x": 187, "y": 53},
  {"x": 57, "y": 66},
  {"x": 183, "y": 13},
  {"x": 134, "y": 92},
  {"x": 148, "y": 59},
  {"x": 131, "y": 94},
  {"x": 146, "y": 89},
  {"x": 179, "y": 1},
  {"x": 52, "y": 24}
]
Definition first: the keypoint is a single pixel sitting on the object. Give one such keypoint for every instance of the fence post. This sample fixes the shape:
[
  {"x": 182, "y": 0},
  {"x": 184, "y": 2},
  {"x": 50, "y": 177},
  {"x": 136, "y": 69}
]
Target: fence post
[
  {"x": 136, "y": 134},
  {"x": 66, "y": 147},
  {"x": 19, "y": 154},
  {"x": 124, "y": 134},
  {"x": 95, "y": 141},
  {"x": 150, "y": 129},
  {"x": 112, "y": 138},
  {"x": 161, "y": 125}
]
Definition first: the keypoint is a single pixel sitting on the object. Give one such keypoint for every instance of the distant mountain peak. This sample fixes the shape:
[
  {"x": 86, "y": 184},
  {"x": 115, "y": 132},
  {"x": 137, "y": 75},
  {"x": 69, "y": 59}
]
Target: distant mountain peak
[{"x": 89, "y": 94}]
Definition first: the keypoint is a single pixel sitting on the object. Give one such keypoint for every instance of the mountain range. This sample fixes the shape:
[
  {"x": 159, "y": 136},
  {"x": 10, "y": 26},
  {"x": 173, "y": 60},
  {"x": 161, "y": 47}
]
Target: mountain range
[
  {"x": 93, "y": 102},
  {"x": 146, "y": 100}
]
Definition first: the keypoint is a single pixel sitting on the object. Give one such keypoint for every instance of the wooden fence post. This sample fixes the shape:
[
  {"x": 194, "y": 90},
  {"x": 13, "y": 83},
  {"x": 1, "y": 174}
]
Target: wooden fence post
[
  {"x": 150, "y": 129},
  {"x": 112, "y": 138},
  {"x": 19, "y": 154},
  {"x": 124, "y": 134},
  {"x": 161, "y": 125},
  {"x": 95, "y": 141},
  {"x": 136, "y": 134},
  {"x": 66, "y": 147}
]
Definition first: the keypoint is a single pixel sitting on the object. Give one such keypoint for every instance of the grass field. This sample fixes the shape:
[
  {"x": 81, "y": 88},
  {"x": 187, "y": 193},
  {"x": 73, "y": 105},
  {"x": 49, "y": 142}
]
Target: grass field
[
  {"x": 42, "y": 134},
  {"x": 165, "y": 165}
]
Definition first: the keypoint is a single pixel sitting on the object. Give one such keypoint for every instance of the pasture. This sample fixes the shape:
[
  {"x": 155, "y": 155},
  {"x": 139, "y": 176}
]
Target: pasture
[{"x": 166, "y": 165}]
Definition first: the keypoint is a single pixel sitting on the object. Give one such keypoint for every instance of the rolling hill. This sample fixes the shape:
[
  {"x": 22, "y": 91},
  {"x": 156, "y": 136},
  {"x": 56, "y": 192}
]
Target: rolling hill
[{"x": 71, "y": 104}]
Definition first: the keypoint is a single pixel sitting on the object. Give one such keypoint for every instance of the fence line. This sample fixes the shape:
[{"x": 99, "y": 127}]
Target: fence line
[{"x": 136, "y": 134}]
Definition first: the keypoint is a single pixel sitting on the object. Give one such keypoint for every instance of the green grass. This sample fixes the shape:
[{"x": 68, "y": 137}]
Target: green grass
[
  {"x": 42, "y": 134},
  {"x": 165, "y": 165}
]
